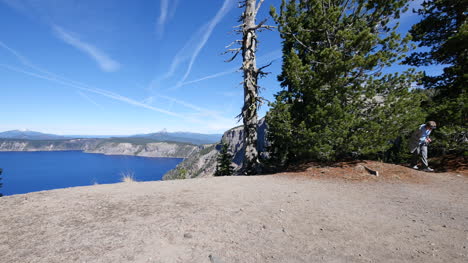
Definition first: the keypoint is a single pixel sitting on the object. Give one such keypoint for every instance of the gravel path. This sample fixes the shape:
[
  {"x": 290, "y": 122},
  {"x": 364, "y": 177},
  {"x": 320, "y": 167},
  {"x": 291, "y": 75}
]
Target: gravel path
[{"x": 274, "y": 218}]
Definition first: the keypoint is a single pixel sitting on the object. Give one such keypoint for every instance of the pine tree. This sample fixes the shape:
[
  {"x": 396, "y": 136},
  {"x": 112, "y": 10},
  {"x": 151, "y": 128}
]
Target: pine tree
[
  {"x": 444, "y": 29},
  {"x": 337, "y": 102},
  {"x": 224, "y": 167}
]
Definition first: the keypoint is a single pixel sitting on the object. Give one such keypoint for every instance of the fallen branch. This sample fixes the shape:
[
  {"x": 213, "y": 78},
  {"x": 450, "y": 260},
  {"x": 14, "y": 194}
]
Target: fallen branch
[{"x": 373, "y": 172}]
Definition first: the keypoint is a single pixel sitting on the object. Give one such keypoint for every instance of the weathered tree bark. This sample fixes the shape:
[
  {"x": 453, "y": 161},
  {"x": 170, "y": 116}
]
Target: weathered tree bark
[
  {"x": 248, "y": 28},
  {"x": 249, "y": 67}
]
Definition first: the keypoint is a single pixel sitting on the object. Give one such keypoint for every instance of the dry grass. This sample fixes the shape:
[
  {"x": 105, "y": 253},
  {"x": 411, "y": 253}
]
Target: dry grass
[{"x": 128, "y": 177}]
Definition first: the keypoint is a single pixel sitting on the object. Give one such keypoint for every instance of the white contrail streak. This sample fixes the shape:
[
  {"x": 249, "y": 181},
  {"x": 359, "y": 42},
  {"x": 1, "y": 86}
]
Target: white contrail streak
[
  {"x": 86, "y": 97},
  {"x": 103, "y": 60},
  {"x": 105, "y": 93},
  {"x": 267, "y": 57},
  {"x": 163, "y": 15},
  {"x": 46, "y": 75},
  {"x": 221, "y": 13}
]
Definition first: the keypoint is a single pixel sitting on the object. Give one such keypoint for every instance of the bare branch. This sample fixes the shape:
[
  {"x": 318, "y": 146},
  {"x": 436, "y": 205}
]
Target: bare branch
[
  {"x": 239, "y": 26},
  {"x": 233, "y": 42},
  {"x": 259, "y": 24},
  {"x": 266, "y": 27},
  {"x": 239, "y": 117},
  {"x": 233, "y": 57},
  {"x": 263, "y": 74},
  {"x": 261, "y": 101},
  {"x": 259, "y": 4},
  {"x": 232, "y": 50},
  {"x": 300, "y": 42},
  {"x": 328, "y": 39},
  {"x": 241, "y": 4},
  {"x": 266, "y": 66}
]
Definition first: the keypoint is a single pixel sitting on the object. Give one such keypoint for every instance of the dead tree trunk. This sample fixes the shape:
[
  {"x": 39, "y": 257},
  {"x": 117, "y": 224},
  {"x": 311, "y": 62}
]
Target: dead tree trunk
[
  {"x": 249, "y": 67},
  {"x": 249, "y": 29}
]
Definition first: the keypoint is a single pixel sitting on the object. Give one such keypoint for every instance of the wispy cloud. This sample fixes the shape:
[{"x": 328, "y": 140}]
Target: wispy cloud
[
  {"x": 21, "y": 58},
  {"x": 104, "y": 61},
  {"x": 102, "y": 92},
  {"x": 46, "y": 12},
  {"x": 189, "y": 52},
  {"x": 207, "y": 118},
  {"x": 212, "y": 76},
  {"x": 25, "y": 61},
  {"x": 162, "y": 15},
  {"x": 197, "y": 110},
  {"x": 167, "y": 10},
  {"x": 172, "y": 11},
  {"x": 86, "y": 97},
  {"x": 193, "y": 117},
  {"x": 267, "y": 58},
  {"x": 191, "y": 106},
  {"x": 16, "y": 4},
  {"x": 149, "y": 100},
  {"x": 227, "y": 5}
]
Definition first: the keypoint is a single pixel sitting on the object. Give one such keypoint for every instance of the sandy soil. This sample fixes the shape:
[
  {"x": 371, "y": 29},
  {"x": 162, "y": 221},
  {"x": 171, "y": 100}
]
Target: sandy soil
[{"x": 294, "y": 217}]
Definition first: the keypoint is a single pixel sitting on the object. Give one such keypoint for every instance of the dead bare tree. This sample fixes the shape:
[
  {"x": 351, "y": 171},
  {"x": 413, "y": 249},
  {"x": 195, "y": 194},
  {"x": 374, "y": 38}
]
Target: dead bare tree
[{"x": 249, "y": 29}]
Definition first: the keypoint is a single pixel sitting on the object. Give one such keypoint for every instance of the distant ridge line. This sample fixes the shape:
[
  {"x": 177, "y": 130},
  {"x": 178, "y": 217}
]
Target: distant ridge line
[{"x": 163, "y": 136}]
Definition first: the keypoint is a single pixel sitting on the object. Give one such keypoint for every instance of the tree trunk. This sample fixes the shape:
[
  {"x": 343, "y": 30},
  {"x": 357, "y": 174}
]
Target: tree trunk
[{"x": 249, "y": 67}]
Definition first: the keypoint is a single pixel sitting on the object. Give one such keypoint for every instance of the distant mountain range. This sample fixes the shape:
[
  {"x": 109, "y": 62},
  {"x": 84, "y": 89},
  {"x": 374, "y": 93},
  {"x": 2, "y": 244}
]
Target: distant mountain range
[
  {"x": 30, "y": 135},
  {"x": 163, "y": 136},
  {"x": 187, "y": 137}
]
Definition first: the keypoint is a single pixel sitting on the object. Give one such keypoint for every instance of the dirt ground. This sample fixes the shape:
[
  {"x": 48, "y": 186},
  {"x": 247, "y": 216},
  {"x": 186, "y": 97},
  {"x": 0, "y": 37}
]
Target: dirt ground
[{"x": 320, "y": 214}]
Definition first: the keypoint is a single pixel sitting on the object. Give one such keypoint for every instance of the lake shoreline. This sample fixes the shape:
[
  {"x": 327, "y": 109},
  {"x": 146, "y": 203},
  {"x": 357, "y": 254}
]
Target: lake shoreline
[
  {"x": 32, "y": 171},
  {"x": 82, "y": 151},
  {"x": 128, "y": 147}
]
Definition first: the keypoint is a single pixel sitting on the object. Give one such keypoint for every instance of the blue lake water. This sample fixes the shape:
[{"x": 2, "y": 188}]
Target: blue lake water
[{"x": 25, "y": 172}]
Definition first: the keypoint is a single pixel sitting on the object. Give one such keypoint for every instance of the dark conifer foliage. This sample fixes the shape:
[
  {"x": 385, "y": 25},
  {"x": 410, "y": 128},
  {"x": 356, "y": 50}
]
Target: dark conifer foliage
[
  {"x": 224, "y": 165},
  {"x": 444, "y": 30},
  {"x": 337, "y": 101}
]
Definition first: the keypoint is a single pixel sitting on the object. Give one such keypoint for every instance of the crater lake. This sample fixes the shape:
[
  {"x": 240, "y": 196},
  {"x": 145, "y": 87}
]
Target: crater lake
[{"x": 25, "y": 172}]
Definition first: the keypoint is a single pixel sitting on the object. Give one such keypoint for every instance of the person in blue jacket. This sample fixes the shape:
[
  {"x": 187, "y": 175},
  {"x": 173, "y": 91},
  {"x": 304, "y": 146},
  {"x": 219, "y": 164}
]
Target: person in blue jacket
[{"x": 418, "y": 145}]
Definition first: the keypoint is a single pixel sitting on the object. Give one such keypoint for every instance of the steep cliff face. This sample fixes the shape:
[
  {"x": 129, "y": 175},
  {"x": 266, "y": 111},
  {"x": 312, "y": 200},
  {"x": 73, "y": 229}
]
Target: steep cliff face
[
  {"x": 153, "y": 149},
  {"x": 203, "y": 163},
  {"x": 157, "y": 149},
  {"x": 13, "y": 146},
  {"x": 235, "y": 140},
  {"x": 48, "y": 145},
  {"x": 199, "y": 164}
]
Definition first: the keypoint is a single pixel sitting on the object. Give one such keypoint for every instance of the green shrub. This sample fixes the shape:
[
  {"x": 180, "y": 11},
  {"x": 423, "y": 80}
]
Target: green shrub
[{"x": 224, "y": 162}]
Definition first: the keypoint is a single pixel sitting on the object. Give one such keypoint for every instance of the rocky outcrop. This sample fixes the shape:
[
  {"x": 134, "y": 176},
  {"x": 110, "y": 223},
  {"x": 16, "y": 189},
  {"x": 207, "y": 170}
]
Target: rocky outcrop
[
  {"x": 11, "y": 145},
  {"x": 199, "y": 164},
  {"x": 104, "y": 146},
  {"x": 235, "y": 140},
  {"x": 156, "y": 149},
  {"x": 203, "y": 163}
]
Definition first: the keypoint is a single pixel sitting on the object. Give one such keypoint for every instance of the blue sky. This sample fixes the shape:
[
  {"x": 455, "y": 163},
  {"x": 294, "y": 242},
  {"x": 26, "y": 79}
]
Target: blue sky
[{"x": 126, "y": 67}]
